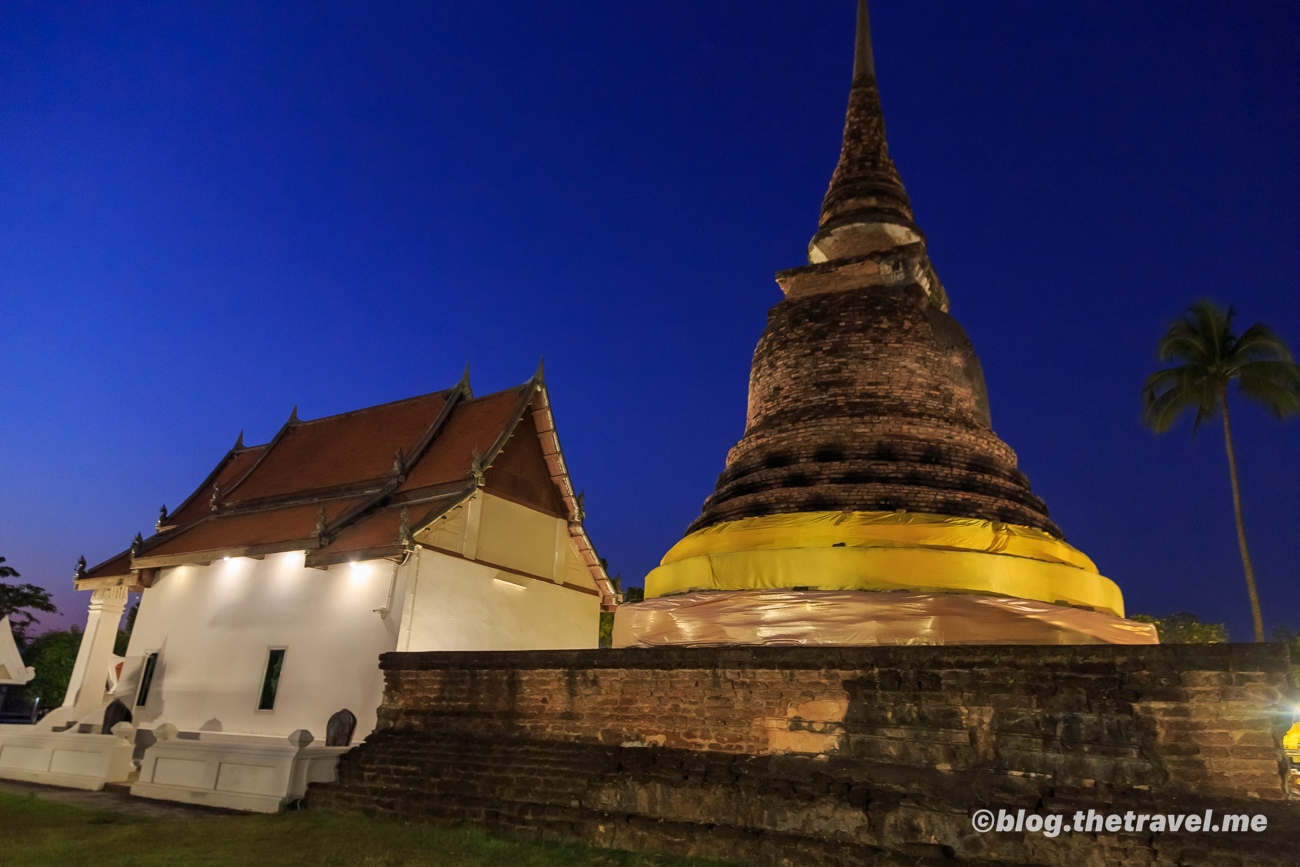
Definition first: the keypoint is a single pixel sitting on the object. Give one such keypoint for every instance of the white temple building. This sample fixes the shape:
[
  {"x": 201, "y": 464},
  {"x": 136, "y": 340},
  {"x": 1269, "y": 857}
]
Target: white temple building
[{"x": 441, "y": 522}]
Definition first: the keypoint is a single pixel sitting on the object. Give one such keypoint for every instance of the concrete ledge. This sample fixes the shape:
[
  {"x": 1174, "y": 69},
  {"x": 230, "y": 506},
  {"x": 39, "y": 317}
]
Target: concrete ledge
[
  {"x": 79, "y": 761},
  {"x": 257, "y": 773},
  {"x": 1201, "y": 657}
]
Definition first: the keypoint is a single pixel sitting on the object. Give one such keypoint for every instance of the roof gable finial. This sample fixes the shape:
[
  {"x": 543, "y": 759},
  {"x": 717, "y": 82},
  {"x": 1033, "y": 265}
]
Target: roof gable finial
[
  {"x": 322, "y": 527},
  {"x": 464, "y": 383},
  {"x": 404, "y": 536},
  {"x": 477, "y": 472}
]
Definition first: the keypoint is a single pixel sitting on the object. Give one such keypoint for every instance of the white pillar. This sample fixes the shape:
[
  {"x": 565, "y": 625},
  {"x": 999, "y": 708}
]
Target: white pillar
[
  {"x": 473, "y": 518},
  {"x": 408, "y": 602},
  {"x": 90, "y": 673},
  {"x": 561, "y": 560}
]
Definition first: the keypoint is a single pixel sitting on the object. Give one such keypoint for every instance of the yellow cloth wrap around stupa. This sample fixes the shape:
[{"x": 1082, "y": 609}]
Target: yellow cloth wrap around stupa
[{"x": 884, "y": 551}]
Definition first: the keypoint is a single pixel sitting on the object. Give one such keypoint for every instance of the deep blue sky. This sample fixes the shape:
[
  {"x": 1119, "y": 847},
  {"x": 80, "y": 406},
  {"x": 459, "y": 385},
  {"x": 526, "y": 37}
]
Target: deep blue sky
[{"x": 212, "y": 212}]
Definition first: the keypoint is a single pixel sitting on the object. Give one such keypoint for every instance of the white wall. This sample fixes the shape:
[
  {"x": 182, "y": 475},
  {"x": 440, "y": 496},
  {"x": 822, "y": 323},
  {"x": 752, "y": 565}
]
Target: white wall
[
  {"x": 461, "y": 605},
  {"x": 213, "y": 626},
  {"x": 516, "y": 536}
]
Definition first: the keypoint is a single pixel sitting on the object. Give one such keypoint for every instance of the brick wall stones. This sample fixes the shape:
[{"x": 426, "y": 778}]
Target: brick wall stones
[
  {"x": 870, "y": 399},
  {"x": 835, "y": 755}
]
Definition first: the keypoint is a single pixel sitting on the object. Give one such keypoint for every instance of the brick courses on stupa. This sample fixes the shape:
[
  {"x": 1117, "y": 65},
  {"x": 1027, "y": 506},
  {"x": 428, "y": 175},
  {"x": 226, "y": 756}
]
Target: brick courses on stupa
[{"x": 865, "y": 395}]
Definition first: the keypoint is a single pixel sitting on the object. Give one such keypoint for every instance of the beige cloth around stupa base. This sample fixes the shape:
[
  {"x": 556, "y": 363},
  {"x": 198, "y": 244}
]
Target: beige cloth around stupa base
[{"x": 809, "y": 618}]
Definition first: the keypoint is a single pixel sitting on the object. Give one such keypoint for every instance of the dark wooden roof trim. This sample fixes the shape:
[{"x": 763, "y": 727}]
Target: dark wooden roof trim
[
  {"x": 134, "y": 582},
  {"x": 433, "y": 492},
  {"x": 91, "y": 571},
  {"x": 291, "y": 423},
  {"x": 457, "y": 394},
  {"x": 205, "y": 557},
  {"x": 254, "y": 507},
  {"x": 511, "y": 570},
  {"x": 238, "y": 449},
  {"x": 544, "y": 421},
  {"x": 301, "y": 498},
  {"x": 324, "y": 558},
  {"x": 526, "y": 392}
]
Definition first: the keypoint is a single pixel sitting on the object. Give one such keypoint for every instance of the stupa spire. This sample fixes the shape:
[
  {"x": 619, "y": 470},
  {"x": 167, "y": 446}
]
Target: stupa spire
[
  {"x": 865, "y": 395},
  {"x": 863, "y": 61},
  {"x": 867, "y": 410},
  {"x": 866, "y": 208}
]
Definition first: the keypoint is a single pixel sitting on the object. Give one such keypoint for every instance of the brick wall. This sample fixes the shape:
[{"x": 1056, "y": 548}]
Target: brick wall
[{"x": 829, "y": 755}]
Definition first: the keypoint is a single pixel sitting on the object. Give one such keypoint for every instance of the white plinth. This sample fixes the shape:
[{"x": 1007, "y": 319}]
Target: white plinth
[
  {"x": 79, "y": 761},
  {"x": 235, "y": 771}
]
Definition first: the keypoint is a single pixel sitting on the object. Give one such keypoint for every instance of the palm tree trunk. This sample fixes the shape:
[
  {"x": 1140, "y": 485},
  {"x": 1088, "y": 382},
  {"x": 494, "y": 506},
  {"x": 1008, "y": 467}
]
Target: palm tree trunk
[{"x": 1241, "y": 525}]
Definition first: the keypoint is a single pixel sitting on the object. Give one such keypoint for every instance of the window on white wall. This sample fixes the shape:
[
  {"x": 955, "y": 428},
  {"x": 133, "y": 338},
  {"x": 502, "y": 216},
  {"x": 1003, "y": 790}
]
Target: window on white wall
[
  {"x": 146, "y": 678},
  {"x": 271, "y": 679}
]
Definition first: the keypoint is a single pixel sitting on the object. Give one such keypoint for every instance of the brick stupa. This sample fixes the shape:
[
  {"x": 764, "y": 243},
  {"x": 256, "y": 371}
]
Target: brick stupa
[{"x": 869, "y": 461}]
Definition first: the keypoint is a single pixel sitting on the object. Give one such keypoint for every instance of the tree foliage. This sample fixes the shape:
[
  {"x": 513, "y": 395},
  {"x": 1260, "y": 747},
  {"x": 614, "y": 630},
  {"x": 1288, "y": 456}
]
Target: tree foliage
[
  {"x": 630, "y": 594},
  {"x": 1185, "y": 628},
  {"x": 18, "y": 601},
  {"x": 1211, "y": 357},
  {"x": 53, "y": 656},
  {"x": 606, "y": 629},
  {"x": 124, "y": 635}
]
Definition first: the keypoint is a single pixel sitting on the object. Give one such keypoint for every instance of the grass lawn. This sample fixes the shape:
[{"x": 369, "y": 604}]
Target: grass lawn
[{"x": 36, "y": 833}]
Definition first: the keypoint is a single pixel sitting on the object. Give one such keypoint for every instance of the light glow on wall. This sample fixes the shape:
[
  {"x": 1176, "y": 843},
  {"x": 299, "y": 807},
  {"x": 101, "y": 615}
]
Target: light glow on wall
[{"x": 360, "y": 572}]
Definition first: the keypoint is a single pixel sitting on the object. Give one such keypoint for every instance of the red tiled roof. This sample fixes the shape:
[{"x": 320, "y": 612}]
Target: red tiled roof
[
  {"x": 251, "y": 529},
  {"x": 270, "y": 495},
  {"x": 114, "y": 567},
  {"x": 474, "y": 425},
  {"x": 381, "y": 530},
  {"x": 340, "y": 450},
  {"x": 232, "y": 468}
]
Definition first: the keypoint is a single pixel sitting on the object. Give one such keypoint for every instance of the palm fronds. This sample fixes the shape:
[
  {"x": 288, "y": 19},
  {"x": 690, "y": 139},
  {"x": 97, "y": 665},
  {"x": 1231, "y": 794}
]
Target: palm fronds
[{"x": 1211, "y": 358}]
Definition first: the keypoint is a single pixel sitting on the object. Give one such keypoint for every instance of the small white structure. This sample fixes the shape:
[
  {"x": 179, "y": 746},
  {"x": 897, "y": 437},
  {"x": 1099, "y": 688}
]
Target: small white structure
[
  {"x": 442, "y": 522},
  {"x": 75, "y": 759},
  {"x": 12, "y": 670}
]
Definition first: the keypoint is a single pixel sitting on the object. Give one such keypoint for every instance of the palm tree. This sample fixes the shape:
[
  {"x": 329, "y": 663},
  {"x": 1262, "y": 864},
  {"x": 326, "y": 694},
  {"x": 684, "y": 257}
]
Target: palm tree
[{"x": 1212, "y": 356}]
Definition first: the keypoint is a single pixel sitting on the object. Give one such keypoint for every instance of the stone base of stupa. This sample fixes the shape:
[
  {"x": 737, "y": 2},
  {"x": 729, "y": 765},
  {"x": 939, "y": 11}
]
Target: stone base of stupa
[{"x": 847, "y": 618}]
